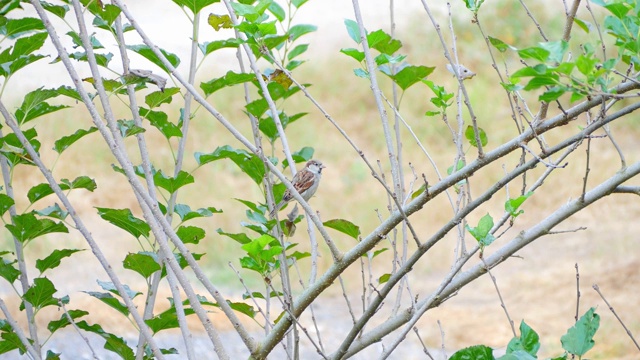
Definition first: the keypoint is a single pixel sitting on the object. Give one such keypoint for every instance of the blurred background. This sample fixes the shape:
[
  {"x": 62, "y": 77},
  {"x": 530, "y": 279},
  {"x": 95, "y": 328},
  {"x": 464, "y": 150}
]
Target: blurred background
[{"x": 538, "y": 286}]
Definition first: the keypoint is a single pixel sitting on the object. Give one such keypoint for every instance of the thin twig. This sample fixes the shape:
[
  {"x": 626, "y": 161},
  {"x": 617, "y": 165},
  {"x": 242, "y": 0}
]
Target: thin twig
[
  {"x": 18, "y": 331},
  {"x": 623, "y": 189},
  {"x": 555, "y": 232},
  {"x": 424, "y": 346},
  {"x": 444, "y": 352},
  {"x": 587, "y": 169},
  {"x": 502, "y": 304},
  {"x": 526, "y": 9},
  {"x": 375, "y": 88},
  {"x": 577, "y": 315},
  {"x": 597, "y": 289},
  {"x": 19, "y": 247},
  {"x": 77, "y": 329}
]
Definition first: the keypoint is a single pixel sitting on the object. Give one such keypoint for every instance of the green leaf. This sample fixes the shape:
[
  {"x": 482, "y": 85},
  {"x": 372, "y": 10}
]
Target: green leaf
[
  {"x": 482, "y": 232},
  {"x": 584, "y": 25},
  {"x": 109, "y": 286},
  {"x": 540, "y": 81},
  {"x": 27, "y": 227},
  {"x": 251, "y": 205},
  {"x": 6, "y": 202},
  {"x": 242, "y": 238},
  {"x": 55, "y": 325},
  {"x": 144, "y": 263},
  {"x": 57, "y": 10},
  {"x": 125, "y": 220},
  {"x": 101, "y": 59},
  {"x": 147, "y": 53},
  {"x": 384, "y": 278},
  {"x": 42, "y": 190},
  {"x": 383, "y": 42},
  {"x": 470, "y": 135},
  {"x": 477, "y": 352},
  {"x": 244, "y": 9},
  {"x": 172, "y": 184},
  {"x": 298, "y": 50},
  {"x": 259, "y": 295},
  {"x": 218, "y": 22},
  {"x": 552, "y": 94},
  {"x": 536, "y": 53},
  {"x": 19, "y": 55},
  {"x": 378, "y": 252},
  {"x": 353, "y": 30},
  {"x": 54, "y": 211},
  {"x": 242, "y": 308},
  {"x": 112, "y": 343},
  {"x": 459, "y": 165},
  {"x": 195, "y": 5},
  {"x": 157, "y": 98},
  {"x": 13, "y": 150},
  {"x": 354, "y": 53},
  {"x": 619, "y": 9},
  {"x": 34, "y": 105},
  {"x": 190, "y": 234},
  {"x": 6, "y": 7},
  {"x": 511, "y": 206},
  {"x": 411, "y": 75},
  {"x": 299, "y": 255},
  {"x": 167, "y": 319},
  {"x": 182, "y": 261},
  {"x": 303, "y": 155},
  {"x": 160, "y": 121},
  {"x": 105, "y": 15},
  {"x": 53, "y": 260},
  {"x": 297, "y": 31},
  {"x": 344, "y": 226},
  {"x": 77, "y": 41},
  {"x": 14, "y": 28},
  {"x": 209, "y": 47},
  {"x": 361, "y": 73},
  {"x": 40, "y": 294},
  {"x": 248, "y": 163},
  {"x": 517, "y": 355},
  {"x": 418, "y": 192},
  {"x": 529, "y": 341},
  {"x": 64, "y": 142},
  {"x": 586, "y": 64},
  {"x": 298, "y": 3},
  {"x": 473, "y": 5},
  {"x": 8, "y": 271},
  {"x": 185, "y": 212},
  {"x": 556, "y": 49},
  {"x": 579, "y": 338},
  {"x": 500, "y": 45},
  {"x": 230, "y": 79},
  {"x": 277, "y": 11},
  {"x": 129, "y": 128}
]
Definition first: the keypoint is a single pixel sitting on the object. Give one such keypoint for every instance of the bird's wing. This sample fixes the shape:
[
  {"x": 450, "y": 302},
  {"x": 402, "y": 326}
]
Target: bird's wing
[{"x": 301, "y": 182}]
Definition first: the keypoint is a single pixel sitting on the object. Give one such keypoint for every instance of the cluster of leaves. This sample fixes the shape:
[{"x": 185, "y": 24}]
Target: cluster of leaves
[
  {"x": 587, "y": 73},
  {"x": 576, "y": 342},
  {"x": 387, "y": 61},
  {"x": 28, "y": 36}
]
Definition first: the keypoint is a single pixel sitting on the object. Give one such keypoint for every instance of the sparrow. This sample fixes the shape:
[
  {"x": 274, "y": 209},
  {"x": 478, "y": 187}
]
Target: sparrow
[
  {"x": 462, "y": 71},
  {"x": 306, "y": 182}
]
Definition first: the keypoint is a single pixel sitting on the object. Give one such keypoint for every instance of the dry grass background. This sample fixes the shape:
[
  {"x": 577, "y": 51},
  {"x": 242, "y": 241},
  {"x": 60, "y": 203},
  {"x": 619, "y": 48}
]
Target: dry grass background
[{"x": 538, "y": 286}]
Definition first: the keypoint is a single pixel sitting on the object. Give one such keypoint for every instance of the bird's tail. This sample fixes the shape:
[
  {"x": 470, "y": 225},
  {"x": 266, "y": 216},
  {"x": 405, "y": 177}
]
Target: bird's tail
[{"x": 273, "y": 212}]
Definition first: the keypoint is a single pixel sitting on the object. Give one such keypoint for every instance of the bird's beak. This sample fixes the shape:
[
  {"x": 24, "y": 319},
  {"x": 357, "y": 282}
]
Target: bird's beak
[{"x": 322, "y": 166}]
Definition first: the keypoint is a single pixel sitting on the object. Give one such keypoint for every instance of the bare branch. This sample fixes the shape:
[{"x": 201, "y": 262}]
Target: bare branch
[{"x": 597, "y": 289}]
